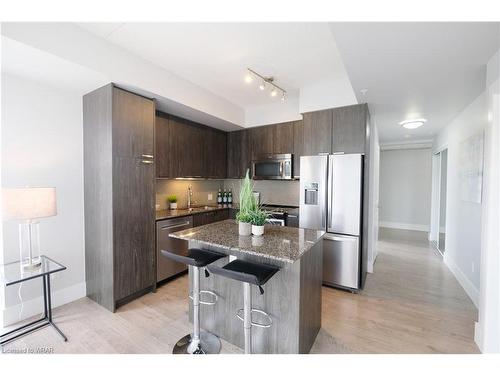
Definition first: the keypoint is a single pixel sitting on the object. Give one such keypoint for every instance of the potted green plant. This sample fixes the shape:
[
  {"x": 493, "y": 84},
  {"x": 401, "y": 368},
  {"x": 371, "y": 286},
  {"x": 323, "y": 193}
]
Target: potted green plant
[
  {"x": 247, "y": 205},
  {"x": 258, "y": 219},
  {"x": 172, "y": 200}
]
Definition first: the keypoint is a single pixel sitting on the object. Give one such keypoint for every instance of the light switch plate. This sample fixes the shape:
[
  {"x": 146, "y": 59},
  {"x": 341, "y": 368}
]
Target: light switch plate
[{"x": 210, "y": 196}]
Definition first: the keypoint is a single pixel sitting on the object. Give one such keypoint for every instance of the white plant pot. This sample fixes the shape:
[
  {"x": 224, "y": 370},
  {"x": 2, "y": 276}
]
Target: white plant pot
[
  {"x": 245, "y": 229},
  {"x": 173, "y": 206},
  {"x": 257, "y": 230}
]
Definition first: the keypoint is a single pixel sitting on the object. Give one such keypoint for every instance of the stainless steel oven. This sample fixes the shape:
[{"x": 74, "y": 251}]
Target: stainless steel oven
[{"x": 273, "y": 167}]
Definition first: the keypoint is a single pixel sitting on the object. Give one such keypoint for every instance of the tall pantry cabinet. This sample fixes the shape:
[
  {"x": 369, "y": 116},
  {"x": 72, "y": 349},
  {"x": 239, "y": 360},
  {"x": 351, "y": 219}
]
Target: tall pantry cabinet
[{"x": 119, "y": 183}]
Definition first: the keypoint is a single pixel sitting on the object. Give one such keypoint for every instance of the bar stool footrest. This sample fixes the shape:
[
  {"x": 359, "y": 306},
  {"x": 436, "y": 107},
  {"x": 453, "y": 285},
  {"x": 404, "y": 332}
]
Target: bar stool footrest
[
  {"x": 255, "y": 324},
  {"x": 210, "y": 293}
]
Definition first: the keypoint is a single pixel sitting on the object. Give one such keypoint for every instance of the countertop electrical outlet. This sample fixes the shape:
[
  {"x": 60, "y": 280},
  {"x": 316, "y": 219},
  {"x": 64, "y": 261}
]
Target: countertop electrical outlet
[{"x": 210, "y": 196}]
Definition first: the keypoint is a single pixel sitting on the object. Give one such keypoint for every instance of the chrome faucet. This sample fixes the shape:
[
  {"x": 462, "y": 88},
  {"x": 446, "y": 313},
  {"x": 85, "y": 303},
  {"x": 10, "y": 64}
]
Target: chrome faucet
[{"x": 190, "y": 195}]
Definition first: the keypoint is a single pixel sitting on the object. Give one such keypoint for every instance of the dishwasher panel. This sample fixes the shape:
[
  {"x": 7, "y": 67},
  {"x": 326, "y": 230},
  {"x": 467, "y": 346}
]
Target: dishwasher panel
[{"x": 165, "y": 267}]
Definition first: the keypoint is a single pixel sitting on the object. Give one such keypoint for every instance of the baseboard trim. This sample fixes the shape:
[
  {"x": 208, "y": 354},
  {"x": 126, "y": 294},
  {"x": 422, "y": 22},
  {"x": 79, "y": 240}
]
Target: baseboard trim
[
  {"x": 405, "y": 226},
  {"x": 469, "y": 288},
  {"x": 11, "y": 314}
]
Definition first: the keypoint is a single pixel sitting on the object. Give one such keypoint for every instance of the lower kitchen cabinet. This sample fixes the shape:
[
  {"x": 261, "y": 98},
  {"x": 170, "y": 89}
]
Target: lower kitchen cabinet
[{"x": 210, "y": 217}]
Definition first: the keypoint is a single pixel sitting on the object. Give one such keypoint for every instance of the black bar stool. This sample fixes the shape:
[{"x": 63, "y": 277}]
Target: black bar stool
[
  {"x": 204, "y": 342},
  {"x": 249, "y": 273}
]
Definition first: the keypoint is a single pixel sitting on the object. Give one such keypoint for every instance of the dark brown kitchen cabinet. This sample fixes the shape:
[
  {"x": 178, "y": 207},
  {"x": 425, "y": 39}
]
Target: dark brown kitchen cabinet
[
  {"x": 318, "y": 129},
  {"x": 261, "y": 141},
  {"x": 119, "y": 193},
  {"x": 349, "y": 129},
  {"x": 215, "y": 158},
  {"x": 210, "y": 217},
  {"x": 283, "y": 138},
  {"x": 188, "y": 149},
  {"x": 238, "y": 153},
  {"x": 298, "y": 146}
]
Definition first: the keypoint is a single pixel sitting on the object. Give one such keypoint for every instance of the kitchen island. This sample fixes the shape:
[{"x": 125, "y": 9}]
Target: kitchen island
[{"x": 292, "y": 296}]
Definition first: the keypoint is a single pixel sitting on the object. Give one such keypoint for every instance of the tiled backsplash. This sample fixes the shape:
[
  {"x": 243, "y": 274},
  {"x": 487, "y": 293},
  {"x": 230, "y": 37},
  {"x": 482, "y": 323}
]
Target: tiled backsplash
[
  {"x": 201, "y": 190},
  {"x": 272, "y": 192}
]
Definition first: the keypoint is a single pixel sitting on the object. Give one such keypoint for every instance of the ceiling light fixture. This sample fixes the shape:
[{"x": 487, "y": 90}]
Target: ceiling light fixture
[
  {"x": 264, "y": 82},
  {"x": 413, "y": 124},
  {"x": 248, "y": 78}
]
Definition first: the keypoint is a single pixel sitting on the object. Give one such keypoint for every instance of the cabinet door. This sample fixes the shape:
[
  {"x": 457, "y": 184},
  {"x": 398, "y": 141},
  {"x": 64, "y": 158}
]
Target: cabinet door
[
  {"x": 133, "y": 225},
  {"x": 349, "y": 129},
  {"x": 283, "y": 138},
  {"x": 298, "y": 146},
  {"x": 215, "y": 158},
  {"x": 317, "y": 132},
  {"x": 192, "y": 149},
  {"x": 261, "y": 140},
  {"x": 133, "y": 124},
  {"x": 246, "y": 153},
  {"x": 234, "y": 154},
  {"x": 164, "y": 152},
  {"x": 238, "y": 153}
]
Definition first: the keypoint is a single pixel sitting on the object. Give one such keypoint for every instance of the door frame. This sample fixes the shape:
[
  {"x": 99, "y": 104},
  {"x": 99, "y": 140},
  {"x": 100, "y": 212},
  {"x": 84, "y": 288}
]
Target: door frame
[{"x": 436, "y": 197}]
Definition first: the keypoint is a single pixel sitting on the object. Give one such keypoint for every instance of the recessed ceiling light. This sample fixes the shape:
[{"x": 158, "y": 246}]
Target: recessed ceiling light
[{"x": 413, "y": 124}]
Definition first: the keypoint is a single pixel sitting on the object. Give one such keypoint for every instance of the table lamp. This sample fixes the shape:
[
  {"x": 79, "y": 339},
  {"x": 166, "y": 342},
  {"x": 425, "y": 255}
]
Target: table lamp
[{"x": 26, "y": 205}]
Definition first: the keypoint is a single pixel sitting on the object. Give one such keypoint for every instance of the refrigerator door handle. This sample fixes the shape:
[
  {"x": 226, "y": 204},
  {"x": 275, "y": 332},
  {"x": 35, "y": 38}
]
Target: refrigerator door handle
[{"x": 333, "y": 237}]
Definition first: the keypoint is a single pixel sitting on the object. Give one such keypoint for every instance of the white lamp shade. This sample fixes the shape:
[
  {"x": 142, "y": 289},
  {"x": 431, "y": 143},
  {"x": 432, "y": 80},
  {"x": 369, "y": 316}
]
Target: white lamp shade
[{"x": 29, "y": 203}]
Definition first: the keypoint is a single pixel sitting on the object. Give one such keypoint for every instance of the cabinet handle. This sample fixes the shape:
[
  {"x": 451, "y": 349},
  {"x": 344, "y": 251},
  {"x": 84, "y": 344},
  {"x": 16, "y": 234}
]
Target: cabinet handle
[
  {"x": 175, "y": 225},
  {"x": 147, "y": 161},
  {"x": 147, "y": 156}
]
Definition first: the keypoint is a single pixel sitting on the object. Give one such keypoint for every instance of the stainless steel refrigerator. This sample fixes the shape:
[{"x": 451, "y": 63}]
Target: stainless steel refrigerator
[{"x": 331, "y": 196}]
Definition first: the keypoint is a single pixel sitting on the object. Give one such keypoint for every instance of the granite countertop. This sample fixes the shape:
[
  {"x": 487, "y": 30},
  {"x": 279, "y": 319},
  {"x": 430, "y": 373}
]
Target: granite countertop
[
  {"x": 284, "y": 244},
  {"x": 169, "y": 214}
]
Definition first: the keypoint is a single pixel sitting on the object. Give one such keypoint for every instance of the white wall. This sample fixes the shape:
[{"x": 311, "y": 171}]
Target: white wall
[
  {"x": 273, "y": 113},
  {"x": 463, "y": 219},
  {"x": 487, "y": 333},
  {"x": 374, "y": 184},
  {"x": 405, "y": 189},
  {"x": 42, "y": 146}
]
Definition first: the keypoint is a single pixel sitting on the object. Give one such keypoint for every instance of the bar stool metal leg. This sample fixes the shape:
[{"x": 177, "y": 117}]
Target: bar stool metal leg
[
  {"x": 247, "y": 316},
  {"x": 197, "y": 342}
]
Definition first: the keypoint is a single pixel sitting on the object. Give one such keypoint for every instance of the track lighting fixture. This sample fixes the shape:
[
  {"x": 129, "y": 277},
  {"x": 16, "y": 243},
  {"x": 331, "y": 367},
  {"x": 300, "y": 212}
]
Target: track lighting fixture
[{"x": 264, "y": 81}]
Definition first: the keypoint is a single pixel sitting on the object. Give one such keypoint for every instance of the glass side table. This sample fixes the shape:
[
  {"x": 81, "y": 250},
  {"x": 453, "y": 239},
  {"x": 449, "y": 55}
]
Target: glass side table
[{"x": 11, "y": 274}]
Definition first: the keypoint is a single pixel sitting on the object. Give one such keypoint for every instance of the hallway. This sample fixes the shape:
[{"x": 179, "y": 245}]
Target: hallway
[{"x": 411, "y": 303}]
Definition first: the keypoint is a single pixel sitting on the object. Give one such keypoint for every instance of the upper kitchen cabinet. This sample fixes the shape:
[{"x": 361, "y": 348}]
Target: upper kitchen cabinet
[
  {"x": 133, "y": 125},
  {"x": 188, "y": 149},
  {"x": 119, "y": 192},
  {"x": 215, "y": 157},
  {"x": 298, "y": 146},
  {"x": 283, "y": 138},
  {"x": 317, "y": 132},
  {"x": 261, "y": 141},
  {"x": 349, "y": 129},
  {"x": 238, "y": 153}
]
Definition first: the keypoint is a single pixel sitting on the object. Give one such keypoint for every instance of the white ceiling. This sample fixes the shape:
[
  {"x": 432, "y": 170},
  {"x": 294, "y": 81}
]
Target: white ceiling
[
  {"x": 22, "y": 60},
  {"x": 430, "y": 70},
  {"x": 215, "y": 55}
]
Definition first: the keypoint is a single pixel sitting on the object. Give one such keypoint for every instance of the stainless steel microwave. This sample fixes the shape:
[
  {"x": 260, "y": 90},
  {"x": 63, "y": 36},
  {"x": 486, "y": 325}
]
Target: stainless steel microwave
[{"x": 273, "y": 167}]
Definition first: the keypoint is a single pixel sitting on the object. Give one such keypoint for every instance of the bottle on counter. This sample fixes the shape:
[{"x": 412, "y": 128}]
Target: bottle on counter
[
  {"x": 219, "y": 197},
  {"x": 224, "y": 197},
  {"x": 230, "y": 197}
]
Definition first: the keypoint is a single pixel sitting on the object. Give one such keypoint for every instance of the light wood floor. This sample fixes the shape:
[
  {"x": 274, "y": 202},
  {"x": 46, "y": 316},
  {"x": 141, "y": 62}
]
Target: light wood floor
[{"x": 411, "y": 304}]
